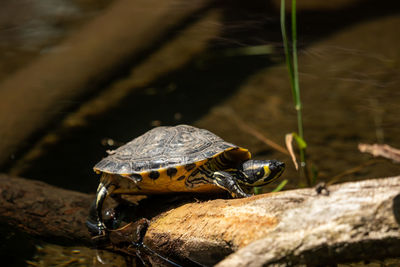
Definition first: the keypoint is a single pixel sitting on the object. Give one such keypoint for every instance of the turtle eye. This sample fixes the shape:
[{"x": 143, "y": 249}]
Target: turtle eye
[{"x": 260, "y": 173}]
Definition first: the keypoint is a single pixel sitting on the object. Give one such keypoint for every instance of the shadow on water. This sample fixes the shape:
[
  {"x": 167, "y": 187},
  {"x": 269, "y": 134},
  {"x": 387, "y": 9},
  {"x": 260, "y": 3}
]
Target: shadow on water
[{"x": 15, "y": 246}]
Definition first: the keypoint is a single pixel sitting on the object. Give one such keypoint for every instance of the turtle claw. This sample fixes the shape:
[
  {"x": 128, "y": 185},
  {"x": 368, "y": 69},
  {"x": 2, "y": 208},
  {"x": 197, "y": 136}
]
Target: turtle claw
[{"x": 240, "y": 194}]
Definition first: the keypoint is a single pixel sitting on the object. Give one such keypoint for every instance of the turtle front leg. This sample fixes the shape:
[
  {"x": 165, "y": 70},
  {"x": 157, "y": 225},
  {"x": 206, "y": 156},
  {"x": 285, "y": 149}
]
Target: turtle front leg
[
  {"x": 95, "y": 220},
  {"x": 228, "y": 182}
]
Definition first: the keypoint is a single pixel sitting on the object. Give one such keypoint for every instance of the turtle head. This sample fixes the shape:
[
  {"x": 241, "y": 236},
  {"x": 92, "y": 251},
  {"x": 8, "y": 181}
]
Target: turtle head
[{"x": 260, "y": 172}]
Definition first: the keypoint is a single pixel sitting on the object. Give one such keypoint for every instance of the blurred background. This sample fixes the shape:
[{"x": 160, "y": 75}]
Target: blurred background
[{"x": 80, "y": 77}]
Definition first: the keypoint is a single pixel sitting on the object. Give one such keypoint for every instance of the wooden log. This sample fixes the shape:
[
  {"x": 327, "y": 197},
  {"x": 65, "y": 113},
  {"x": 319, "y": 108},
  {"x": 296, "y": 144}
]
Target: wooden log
[
  {"x": 355, "y": 221},
  {"x": 36, "y": 94},
  {"x": 43, "y": 210},
  {"x": 358, "y": 221}
]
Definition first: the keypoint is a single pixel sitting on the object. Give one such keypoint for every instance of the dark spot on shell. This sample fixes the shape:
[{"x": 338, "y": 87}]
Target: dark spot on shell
[
  {"x": 171, "y": 171},
  {"x": 181, "y": 178},
  {"x": 154, "y": 175},
  {"x": 190, "y": 166},
  {"x": 136, "y": 177}
]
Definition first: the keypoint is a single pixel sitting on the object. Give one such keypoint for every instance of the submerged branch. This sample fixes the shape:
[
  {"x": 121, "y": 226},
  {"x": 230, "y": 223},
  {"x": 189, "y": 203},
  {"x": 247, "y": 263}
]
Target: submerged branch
[{"x": 378, "y": 150}]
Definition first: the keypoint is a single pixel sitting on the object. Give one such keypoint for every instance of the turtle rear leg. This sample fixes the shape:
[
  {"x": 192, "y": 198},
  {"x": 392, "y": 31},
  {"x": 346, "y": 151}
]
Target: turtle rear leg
[
  {"x": 228, "y": 182},
  {"x": 95, "y": 220}
]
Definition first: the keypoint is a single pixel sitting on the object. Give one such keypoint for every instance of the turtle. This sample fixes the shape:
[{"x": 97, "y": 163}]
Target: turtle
[{"x": 172, "y": 159}]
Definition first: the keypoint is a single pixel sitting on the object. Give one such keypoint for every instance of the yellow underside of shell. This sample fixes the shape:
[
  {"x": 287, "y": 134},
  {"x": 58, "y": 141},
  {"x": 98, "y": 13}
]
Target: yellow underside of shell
[{"x": 165, "y": 184}]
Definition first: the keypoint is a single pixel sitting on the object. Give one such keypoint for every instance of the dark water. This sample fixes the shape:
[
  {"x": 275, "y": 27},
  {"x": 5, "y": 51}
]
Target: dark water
[{"x": 349, "y": 66}]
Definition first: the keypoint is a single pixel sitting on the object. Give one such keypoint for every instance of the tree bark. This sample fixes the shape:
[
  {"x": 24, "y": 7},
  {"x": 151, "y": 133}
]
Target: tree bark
[
  {"x": 355, "y": 221},
  {"x": 43, "y": 210}
]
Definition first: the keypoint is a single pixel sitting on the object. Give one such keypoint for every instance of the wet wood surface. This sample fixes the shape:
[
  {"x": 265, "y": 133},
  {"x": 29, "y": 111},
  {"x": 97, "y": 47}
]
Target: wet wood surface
[
  {"x": 43, "y": 210},
  {"x": 358, "y": 220},
  {"x": 350, "y": 221}
]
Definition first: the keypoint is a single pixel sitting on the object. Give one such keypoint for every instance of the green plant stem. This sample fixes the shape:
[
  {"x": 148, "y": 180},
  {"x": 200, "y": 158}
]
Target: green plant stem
[
  {"x": 280, "y": 186},
  {"x": 289, "y": 63},
  {"x": 296, "y": 87},
  {"x": 257, "y": 190},
  {"x": 296, "y": 90},
  {"x": 292, "y": 64}
]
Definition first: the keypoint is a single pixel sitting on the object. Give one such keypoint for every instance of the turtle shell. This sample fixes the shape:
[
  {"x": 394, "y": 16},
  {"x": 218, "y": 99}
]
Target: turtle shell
[{"x": 168, "y": 148}]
